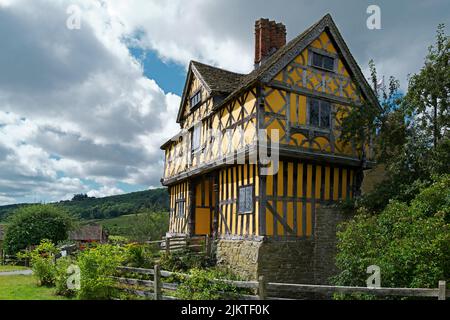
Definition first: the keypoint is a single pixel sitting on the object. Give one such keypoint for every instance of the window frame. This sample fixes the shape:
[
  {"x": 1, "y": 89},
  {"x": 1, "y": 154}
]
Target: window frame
[
  {"x": 252, "y": 201},
  {"x": 330, "y": 113},
  {"x": 199, "y": 102},
  {"x": 315, "y": 51},
  {"x": 196, "y": 127},
  {"x": 179, "y": 202}
]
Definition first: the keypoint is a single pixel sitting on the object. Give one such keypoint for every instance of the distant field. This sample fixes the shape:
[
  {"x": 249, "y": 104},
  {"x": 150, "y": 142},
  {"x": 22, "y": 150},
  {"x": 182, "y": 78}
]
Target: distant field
[
  {"x": 138, "y": 226},
  {"x": 25, "y": 288},
  {"x": 117, "y": 226}
]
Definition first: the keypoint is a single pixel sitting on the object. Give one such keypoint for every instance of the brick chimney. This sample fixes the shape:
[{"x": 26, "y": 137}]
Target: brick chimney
[{"x": 269, "y": 37}]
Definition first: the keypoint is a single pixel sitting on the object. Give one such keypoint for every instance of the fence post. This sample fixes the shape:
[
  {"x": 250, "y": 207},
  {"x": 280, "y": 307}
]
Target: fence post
[
  {"x": 262, "y": 292},
  {"x": 157, "y": 283},
  {"x": 167, "y": 246},
  {"x": 442, "y": 290},
  {"x": 207, "y": 246}
]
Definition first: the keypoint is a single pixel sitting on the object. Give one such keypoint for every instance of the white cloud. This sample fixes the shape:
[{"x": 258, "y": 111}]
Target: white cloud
[
  {"x": 105, "y": 192},
  {"x": 75, "y": 105}
]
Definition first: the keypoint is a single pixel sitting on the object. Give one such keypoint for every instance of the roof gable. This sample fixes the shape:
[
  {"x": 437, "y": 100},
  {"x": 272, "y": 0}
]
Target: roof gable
[
  {"x": 281, "y": 58},
  {"x": 229, "y": 84},
  {"x": 215, "y": 81},
  {"x": 288, "y": 53}
]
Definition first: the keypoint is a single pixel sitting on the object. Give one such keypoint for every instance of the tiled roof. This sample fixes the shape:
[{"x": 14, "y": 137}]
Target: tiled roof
[
  {"x": 218, "y": 80},
  {"x": 85, "y": 233}
]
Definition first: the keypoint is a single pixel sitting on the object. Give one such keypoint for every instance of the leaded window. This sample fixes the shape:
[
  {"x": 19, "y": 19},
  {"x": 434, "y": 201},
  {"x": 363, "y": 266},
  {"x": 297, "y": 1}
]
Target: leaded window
[
  {"x": 245, "y": 199},
  {"x": 319, "y": 113},
  {"x": 322, "y": 61},
  {"x": 196, "y": 99}
]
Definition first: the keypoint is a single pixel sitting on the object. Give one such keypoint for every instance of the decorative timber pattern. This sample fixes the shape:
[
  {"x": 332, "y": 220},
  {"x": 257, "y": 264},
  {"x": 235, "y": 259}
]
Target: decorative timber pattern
[
  {"x": 290, "y": 91},
  {"x": 228, "y": 130},
  {"x": 231, "y": 179},
  {"x": 290, "y": 197},
  {"x": 287, "y": 99},
  {"x": 179, "y": 204}
]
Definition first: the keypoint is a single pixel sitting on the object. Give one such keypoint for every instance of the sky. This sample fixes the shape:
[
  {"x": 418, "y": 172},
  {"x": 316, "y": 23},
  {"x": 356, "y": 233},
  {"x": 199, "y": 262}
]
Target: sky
[{"x": 85, "y": 110}]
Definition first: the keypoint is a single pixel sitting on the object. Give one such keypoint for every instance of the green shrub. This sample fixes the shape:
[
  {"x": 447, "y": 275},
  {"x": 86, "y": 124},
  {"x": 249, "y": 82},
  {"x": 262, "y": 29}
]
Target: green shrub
[
  {"x": 184, "y": 260},
  {"x": 29, "y": 225},
  {"x": 200, "y": 286},
  {"x": 42, "y": 260},
  {"x": 410, "y": 243},
  {"x": 97, "y": 265},
  {"x": 140, "y": 255},
  {"x": 61, "y": 277},
  {"x": 118, "y": 240}
]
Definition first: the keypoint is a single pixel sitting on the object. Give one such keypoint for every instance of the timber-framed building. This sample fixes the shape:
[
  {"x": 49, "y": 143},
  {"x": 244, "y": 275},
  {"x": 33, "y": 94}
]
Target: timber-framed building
[{"x": 283, "y": 224}]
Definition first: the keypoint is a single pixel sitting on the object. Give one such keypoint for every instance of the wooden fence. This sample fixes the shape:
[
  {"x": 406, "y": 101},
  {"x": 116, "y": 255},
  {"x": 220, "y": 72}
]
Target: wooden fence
[
  {"x": 159, "y": 290},
  {"x": 176, "y": 243}
]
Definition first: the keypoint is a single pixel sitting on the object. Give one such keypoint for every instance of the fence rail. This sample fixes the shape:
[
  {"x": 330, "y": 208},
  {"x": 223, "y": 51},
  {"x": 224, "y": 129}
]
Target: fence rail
[
  {"x": 157, "y": 288},
  {"x": 440, "y": 292},
  {"x": 176, "y": 243}
]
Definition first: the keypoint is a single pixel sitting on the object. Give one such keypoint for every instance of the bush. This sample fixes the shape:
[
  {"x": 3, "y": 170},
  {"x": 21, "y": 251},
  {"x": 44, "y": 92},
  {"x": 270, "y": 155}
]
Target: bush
[
  {"x": 61, "y": 277},
  {"x": 97, "y": 265},
  {"x": 118, "y": 240},
  {"x": 43, "y": 262},
  {"x": 410, "y": 243},
  {"x": 29, "y": 225},
  {"x": 141, "y": 255},
  {"x": 184, "y": 260},
  {"x": 199, "y": 286}
]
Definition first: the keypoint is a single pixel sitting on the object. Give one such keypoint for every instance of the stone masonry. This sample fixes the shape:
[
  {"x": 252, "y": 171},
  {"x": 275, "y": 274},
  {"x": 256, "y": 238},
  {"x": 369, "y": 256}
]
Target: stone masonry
[{"x": 307, "y": 261}]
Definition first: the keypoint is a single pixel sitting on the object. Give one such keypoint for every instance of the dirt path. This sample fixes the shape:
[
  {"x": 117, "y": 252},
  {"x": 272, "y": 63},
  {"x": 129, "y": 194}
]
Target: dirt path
[{"x": 15, "y": 273}]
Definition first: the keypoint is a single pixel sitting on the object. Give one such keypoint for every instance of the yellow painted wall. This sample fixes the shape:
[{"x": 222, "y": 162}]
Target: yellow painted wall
[
  {"x": 292, "y": 107},
  {"x": 238, "y": 116},
  {"x": 298, "y": 189},
  {"x": 230, "y": 221},
  {"x": 179, "y": 224},
  {"x": 204, "y": 205}
]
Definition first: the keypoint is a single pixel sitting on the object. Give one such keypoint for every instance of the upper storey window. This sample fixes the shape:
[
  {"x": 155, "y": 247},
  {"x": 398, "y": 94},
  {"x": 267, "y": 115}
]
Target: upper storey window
[
  {"x": 196, "y": 98},
  {"x": 322, "y": 61},
  {"x": 196, "y": 138},
  {"x": 319, "y": 113}
]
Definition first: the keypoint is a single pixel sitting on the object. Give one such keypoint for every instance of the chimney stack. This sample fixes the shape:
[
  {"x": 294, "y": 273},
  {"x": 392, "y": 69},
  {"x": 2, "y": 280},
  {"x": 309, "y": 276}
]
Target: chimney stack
[{"x": 269, "y": 37}]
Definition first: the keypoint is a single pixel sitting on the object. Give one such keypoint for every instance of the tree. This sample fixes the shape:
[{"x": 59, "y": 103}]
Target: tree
[
  {"x": 80, "y": 197},
  {"x": 412, "y": 139},
  {"x": 149, "y": 226},
  {"x": 31, "y": 224},
  {"x": 429, "y": 90},
  {"x": 410, "y": 243}
]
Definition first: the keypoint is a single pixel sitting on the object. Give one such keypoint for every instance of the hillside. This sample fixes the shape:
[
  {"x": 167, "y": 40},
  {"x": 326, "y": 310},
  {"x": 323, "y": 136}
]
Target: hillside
[{"x": 108, "y": 207}]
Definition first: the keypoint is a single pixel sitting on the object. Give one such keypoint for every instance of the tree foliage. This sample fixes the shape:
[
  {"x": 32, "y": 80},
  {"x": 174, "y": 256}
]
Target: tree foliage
[
  {"x": 409, "y": 242},
  {"x": 403, "y": 224},
  {"x": 428, "y": 93},
  {"x": 29, "y": 225},
  {"x": 410, "y": 132}
]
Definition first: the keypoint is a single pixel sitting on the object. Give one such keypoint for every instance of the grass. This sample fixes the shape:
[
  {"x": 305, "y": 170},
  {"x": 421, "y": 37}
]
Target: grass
[
  {"x": 11, "y": 268},
  {"x": 25, "y": 288}
]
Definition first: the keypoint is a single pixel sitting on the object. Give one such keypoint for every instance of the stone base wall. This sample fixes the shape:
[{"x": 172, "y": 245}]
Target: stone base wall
[
  {"x": 240, "y": 256},
  {"x": 307, "y": 261}
]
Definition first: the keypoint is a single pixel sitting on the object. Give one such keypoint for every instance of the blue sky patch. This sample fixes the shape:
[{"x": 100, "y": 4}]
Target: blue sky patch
[{"x": 168, "y": 75}]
